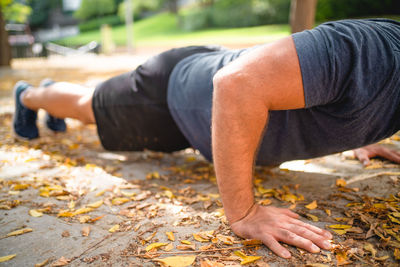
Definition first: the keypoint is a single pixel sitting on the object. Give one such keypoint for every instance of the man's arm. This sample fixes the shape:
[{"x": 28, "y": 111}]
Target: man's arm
[{"x": 267, "y": 78}]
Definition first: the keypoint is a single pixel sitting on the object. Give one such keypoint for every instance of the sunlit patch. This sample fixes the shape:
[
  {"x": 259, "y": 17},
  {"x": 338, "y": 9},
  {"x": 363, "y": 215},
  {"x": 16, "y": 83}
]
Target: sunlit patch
[{"x": 306, "y": 166}]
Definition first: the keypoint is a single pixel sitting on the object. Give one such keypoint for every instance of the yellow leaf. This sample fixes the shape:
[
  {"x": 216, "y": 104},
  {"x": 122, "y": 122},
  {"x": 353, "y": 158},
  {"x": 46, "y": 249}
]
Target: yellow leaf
[
  {"x": 393, "y": 219},
  {"x": 251, "y": 242},
  {"x": 312, "y": 217},
  {"x": 186, "y": 247},
  {"x": 168, "y": 247},
  {"x": 395, "y": 214},
  {"x": 339, "y": 231},
  {"x": 43, "y": 263},
  {"x": 265, "y": 202},
  {"x": 127, "y": 194},
  {"x": 96, "y": 204},
  {"x": 82, "y": 211},
  {"x": 204, "y": 236},
  {"x": 328, "y": 212},
  {"x": 13, "y": 192},
  {"x": 380, "y": 206},
  {"x": 65, "y": 213},
  {"x": 169, "y": 194},
  {"x": 17, "y": 187},
  {"x": 289, "y": 198},
  {"x": 84, "y": 219},
  {"x": 114, "y": 228},
  {"x": 35, "y": 213},
  {"x": 382, "y": 258},
  {"x": 208, "y": 263},
  {"x": 7, "y": 258},
  {"x": 316, "y": 265},
  {"x": 340, "y": 183},
  {"x": 370, "y": 248},
  {"x": 177, "y": 261},
  {"x": 155, "y": 246},
  {"x": 100, "y": 193},
  {"x": 396, "y": 254},
  {"x": 227, "y": 240},
  {"x": 187, "y": 242},
  {"x": 119, "y": 200},
  {"x": 20, "y": 232},
  {"x": 153, "y": 175},
  {"x": 312, "y": 205},
  {"x": 170, "y": 236},
  {"x": 246, "y": 259},
  {"x": 340, "y": 226}
]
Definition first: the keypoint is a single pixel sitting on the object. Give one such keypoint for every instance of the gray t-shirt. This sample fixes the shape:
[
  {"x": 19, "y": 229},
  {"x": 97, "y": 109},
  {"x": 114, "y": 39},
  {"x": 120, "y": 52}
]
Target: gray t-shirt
[{"x": 351, "y": 79}]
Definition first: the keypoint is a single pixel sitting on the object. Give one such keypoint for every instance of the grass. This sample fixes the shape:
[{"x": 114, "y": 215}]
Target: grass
[{"x": 163, "y": 30}]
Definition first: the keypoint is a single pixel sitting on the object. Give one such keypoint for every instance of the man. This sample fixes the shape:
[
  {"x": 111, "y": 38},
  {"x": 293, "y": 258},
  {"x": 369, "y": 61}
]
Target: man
[{"x": 322, "y": 91}]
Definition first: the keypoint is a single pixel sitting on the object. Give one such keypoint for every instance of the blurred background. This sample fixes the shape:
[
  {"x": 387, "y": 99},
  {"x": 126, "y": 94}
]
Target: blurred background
[{"x": 40, "y": 28}]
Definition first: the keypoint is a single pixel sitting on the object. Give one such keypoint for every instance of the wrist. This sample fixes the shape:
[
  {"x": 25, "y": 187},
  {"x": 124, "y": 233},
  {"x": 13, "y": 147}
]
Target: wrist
[{"x": 244, "y": 215}]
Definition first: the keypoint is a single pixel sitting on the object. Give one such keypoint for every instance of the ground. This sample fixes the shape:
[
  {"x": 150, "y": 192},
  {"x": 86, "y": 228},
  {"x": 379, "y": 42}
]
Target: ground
[{"x": 64, "y": 200}]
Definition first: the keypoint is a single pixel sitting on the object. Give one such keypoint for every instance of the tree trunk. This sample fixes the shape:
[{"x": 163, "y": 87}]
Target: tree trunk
[
  {"x": 302, "y": 15},
  {"x": 5, "y": 50},
  {"x": 173, "y": 6}
]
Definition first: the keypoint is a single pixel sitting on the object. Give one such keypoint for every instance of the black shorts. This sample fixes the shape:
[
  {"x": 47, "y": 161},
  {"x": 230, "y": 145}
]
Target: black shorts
[{"x": 131, "y": 109}]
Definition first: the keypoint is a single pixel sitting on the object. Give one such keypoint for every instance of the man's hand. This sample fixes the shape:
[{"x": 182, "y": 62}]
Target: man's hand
[
  {"x": 271, "y": 224},
  {"x": 364, "y": 154}
]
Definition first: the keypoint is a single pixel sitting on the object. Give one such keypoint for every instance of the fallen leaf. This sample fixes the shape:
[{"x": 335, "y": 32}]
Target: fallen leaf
[
  {"x": 340, "y": 183},
  {"x": 204, "y": 236},
  {"x": 382, "y": 258},
  {"x": 114, "y": 228},
  {"x": 119, "y": 200},
  {"x": 61, "y": 262},
  {"x": 84, "y": 219},
  {"x": 96, "y": 204},
  {"x": 316, "y": 265},
  {"x": 186, "y": 247},
  {"x": 246, "y": 259},
  {"x": 35, "y": 213},
  {"x": 370, "y": 248},
  {"x": 168, "y": 247},
  {"x": 71, "y": 205},
  {"x": 208, "y": 263},
  {"x": 251, "y": 242},
  {"x": 177, "y": 261},
  {"x": 18, "y": 187},
  {"x": 20, "y": 232},
  {"x": 170, "y": 236},
  {"x": 65, "y": 213},
  {"x": 340, "y": 226},
  {"x": 328, "y": 212},
  {"x": 127, "y": 194},
  {"x": 100, "y": 193},
  {"x": 153, "y": 175},
  {"x": 7, "y": 258},
  {"x": 187, "y": 242},
  {"x": 82, "y": 211},
  {"x": 312, "y": 205},
  {"x": 227, "y": 240},
  {"x": 312, "y": 217},
  {"x": 155, "y": 246},
  {"x": 396, "y": 254},
  {"x": 85, "y": 231},
  {"x": 43, "y": 263},
  {"x": 65, "y": 234}
]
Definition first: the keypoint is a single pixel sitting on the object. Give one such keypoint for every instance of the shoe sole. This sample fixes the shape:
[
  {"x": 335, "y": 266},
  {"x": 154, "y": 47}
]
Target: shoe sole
[{"x": 15, "y": 134}]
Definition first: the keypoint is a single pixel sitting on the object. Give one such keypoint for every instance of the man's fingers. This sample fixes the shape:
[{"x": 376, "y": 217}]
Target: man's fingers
[
  {"x": 274, "y": 245},
  {"x": 292, "y": 238},
  {"x": 362, "y": 156},
  {"x": 308, "y": 234},
  {"x": 390, "y": 155},
  {"x": 313, "y": 228}
]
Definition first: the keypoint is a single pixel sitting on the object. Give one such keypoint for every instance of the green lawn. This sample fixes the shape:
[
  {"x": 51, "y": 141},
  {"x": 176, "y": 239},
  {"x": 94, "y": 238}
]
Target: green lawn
[{"x": 163, "y": 29}]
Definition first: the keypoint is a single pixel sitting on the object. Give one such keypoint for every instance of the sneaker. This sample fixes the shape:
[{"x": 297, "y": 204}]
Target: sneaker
[
  {"x": 53, "y": 123},
  {"x": 24, "y": 121}
]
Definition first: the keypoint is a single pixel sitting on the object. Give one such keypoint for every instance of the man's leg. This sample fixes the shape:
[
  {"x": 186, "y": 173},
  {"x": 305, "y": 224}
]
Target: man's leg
[{"x": 62, "y": 100}]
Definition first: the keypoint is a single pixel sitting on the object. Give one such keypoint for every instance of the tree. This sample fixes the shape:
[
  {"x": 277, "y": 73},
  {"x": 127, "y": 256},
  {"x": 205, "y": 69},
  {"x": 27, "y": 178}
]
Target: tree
[
  {"x": 302, "y": 14},
  {"x": 5, "y": 50},
  {"x": 95, "y": 8}
]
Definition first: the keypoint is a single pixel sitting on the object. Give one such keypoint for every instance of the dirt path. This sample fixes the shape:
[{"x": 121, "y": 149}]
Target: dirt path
[{"x": 99, "y": 208}]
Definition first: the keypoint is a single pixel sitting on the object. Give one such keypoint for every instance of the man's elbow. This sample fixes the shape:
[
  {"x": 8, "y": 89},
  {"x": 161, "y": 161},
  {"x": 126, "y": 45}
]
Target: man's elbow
[{"x": 227, "y": 85}]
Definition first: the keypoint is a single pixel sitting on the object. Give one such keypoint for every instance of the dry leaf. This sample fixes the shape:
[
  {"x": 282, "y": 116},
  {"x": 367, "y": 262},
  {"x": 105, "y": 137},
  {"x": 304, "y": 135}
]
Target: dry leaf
[
  {"x": 71, "y": 205},
  {"x": 227, "y": 240},
  {"x": 186, "y": 242},
  {"x": 7, "y": 258},
  {"x": 96, "y": 204},
  {"x": 208, "y": 263},
  {"x": 35, "y": 213},
  {"x": 84, "y": 219},
  {"x": 328, "y": 212},
  {"x": 316, "y": 265},
  {"x": 340, "y": 183},
  {"x": 153, "y": 175},
  {"x": 65, "y": 213},
  {"x": 155, "y": 246},
  {"x": 251, "y": 242},
  {"x": 312, "y": 217},
  {"x": 65, "y": 234},
  {"x": 246, "y": 259},
  {"x": 20, "y": 187},
  {"x": 127, "y": 194},
  {"x": 43, "y": 263},
  {"x": 119, "y": 200},
  {"x": 98, "y": 194},
  {"x": 312, "y": 205},
  {"x": 396, "y": 254},
  {"x": 186, "y": 247},
  {"x": 170, "y": 236},
  {"x": 177, "y": 261},
  {"x": 61, "y": 262},
  {"x": 370, "y": 248},
  {"x": 204, "y": 236},
  {"x": 114, "y": 228},
  {"x": 340, "y": 226},
  {"x": 82, "y": 211},
  {"x": 20, "y": 232},
  {"x": 85, "y": 231},
  {"x": 168, "y": 247}
]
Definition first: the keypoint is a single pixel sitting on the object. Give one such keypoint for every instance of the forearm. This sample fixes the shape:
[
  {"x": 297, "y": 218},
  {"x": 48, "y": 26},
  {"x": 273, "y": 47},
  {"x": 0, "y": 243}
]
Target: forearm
[{"x": 238, "y": 121}]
